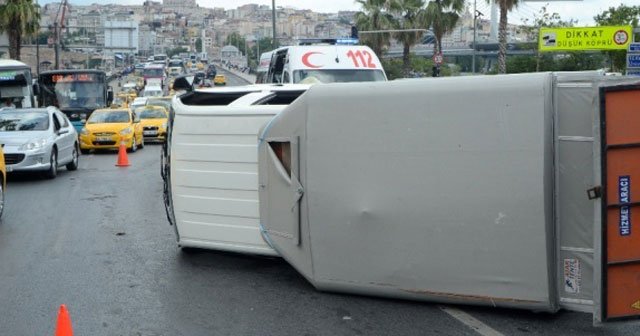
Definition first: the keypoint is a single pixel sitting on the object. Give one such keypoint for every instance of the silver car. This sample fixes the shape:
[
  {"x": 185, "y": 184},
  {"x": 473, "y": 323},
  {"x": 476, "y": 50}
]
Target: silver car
[{"x": 38, "y": 139}]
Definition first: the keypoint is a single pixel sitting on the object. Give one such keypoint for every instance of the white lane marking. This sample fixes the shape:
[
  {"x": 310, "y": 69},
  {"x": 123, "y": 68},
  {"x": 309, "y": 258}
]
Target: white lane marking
[{"x": 470, "y": 321}]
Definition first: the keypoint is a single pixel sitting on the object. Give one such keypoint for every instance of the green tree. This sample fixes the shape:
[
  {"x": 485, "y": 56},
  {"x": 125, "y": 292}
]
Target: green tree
[
  {"x": 442, "y": 16},
  {"x": 410, "y": 15},
  {"x": 621, "y": 15},
  {"x": 19, "y": 18},
  {"x": 198, "y": 45},
  {"x": 374, "y": 16},
  {"x": 543, "y": 19},
  {"x": 505, "y": 7},
  {"x": 176, "y": 51}
]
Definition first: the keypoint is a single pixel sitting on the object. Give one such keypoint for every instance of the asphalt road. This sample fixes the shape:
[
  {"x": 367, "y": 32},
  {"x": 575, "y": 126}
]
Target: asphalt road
[
  {"x": 232, "y": 80},
  {"x": 97, "y": 240}
]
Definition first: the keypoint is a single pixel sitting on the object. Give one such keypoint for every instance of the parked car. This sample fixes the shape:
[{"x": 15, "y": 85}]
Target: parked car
[
  {"x": 38, "y": 140},
  {"x": 106, "y": 128},
  {"x": 154, "y": 122}
]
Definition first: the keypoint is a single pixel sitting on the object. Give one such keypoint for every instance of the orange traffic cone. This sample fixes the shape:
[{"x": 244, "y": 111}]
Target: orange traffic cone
[
  {"x": 123, "y": 159},
  {"x": 63, "y": 326}
]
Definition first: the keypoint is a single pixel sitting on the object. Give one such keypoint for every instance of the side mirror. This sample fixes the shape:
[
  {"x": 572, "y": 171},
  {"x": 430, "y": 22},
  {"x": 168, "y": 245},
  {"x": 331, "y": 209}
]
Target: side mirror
[
  {"x": 36, "y": 89},
  {"x": 184, "y": 83}
]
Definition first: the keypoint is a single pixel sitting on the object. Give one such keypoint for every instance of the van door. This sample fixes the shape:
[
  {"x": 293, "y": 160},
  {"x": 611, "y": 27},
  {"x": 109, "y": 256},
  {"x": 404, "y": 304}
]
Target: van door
[{"x": 619, "y": 153}]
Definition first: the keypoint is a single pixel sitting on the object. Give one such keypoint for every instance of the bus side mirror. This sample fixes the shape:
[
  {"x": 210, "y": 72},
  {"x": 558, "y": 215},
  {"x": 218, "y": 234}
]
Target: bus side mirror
[
  {"x": 36, "y": 89},
  {"x": 109, "y": 96}
]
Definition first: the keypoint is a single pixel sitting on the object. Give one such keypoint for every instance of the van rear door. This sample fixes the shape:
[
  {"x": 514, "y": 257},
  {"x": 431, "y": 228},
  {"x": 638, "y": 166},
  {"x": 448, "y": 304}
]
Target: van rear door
[{"x": 618, "y": 234}]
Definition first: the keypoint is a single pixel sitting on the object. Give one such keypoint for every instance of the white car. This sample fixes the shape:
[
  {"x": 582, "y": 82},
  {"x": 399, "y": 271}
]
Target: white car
[
  {"x": 38, "y": 140},
  {"x": 138, "y": 102},
  {"x": 153, "y": 91}
]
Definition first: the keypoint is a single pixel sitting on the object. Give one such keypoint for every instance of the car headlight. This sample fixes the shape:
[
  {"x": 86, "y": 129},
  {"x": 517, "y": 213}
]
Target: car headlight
[
  {"x": 126, "y": 131},
  {"x": 164, "y": 125},
  {"x": 34, "y": 144},
  {"x": 84, "y": 131}
]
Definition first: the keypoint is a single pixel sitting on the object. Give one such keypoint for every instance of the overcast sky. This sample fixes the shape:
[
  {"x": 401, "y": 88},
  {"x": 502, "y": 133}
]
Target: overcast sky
[{"x": 583, "y": 11}]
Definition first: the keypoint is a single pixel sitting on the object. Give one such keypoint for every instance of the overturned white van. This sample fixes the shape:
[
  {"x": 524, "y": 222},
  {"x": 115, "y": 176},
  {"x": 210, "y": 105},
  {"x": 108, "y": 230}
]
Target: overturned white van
[
  {"x": 508, "y": 191},
  {"x": 211, "y": 165}
]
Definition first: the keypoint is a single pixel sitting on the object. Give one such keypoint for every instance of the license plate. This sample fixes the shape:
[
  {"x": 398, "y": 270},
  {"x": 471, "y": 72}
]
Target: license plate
[
  {"x": 103, "y": 138},
  {"x": 150, "y": 132}
]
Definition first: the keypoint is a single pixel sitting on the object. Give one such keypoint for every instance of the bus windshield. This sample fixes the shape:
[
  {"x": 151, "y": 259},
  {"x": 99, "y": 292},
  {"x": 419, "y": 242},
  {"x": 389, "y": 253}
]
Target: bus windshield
[
  {"x": 337, "y": 76},
  {"x": 74, "y": 90},
  {"x": 15, "y": 88}
]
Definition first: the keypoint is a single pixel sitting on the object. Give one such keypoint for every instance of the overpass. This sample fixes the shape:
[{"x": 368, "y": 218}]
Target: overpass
[{"x": 455, "y": 52}]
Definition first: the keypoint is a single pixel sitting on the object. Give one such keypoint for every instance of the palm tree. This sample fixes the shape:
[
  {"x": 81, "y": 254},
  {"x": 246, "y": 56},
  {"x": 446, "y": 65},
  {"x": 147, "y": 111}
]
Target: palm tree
[
  {"x": 505, "y": 7},
  {"x": 442, "y": 16},
  {"x": 374, "y": 16},
  {"x": 18, "y": 18},
  {"x": 410, "y": 15}
]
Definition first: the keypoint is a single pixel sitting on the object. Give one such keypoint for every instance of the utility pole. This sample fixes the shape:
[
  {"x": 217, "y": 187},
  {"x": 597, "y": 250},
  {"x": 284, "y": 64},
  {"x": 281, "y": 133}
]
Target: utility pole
[
  {"x": 476, "y": 15},
  {"x": 38, "y": 42},
  {"x": 57, "y": 45},
  {"x": 273, "y": 22},
  {"x": 475, "y": 26}
]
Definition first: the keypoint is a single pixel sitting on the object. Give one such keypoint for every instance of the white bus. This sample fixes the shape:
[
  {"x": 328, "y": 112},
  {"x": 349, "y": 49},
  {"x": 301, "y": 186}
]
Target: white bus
[{"x": 16, "y": 88}]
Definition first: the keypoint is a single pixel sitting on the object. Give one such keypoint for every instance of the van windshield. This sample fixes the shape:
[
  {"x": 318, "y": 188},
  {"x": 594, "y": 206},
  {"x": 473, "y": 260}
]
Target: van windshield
[{"x": 338, "y": 76}]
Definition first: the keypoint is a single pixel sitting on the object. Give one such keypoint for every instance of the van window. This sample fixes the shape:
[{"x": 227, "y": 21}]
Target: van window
[
  {"x": 285, "y": 78},
  {"x": 212, "y": 98},
  {"x": 280, "y": 98},
  {"x": 337, "y": 76}
]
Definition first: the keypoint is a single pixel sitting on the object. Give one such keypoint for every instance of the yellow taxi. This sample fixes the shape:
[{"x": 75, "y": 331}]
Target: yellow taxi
[
  {"x": 3, "y": 183},
  {"x": 219, "y": 80},
  {"x": 154, "y": 122},
  {"x": 106, "y": 128}
]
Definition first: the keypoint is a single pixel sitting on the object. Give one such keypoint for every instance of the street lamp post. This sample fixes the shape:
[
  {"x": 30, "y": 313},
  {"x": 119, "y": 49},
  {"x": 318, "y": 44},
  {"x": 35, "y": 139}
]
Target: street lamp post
[
  {"x": 476, "y": 15},
  {"x": 38, "y": 41},
  {"x": 273, "y": 22}
]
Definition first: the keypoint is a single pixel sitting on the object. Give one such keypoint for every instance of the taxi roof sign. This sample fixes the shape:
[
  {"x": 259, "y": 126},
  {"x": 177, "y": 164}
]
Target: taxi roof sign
[{"x": 585, "y": 38}]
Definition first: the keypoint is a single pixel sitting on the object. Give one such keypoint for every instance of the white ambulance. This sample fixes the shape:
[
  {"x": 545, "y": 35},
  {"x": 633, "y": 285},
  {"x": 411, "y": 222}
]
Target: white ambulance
[{"x": 309, "y": 64}]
